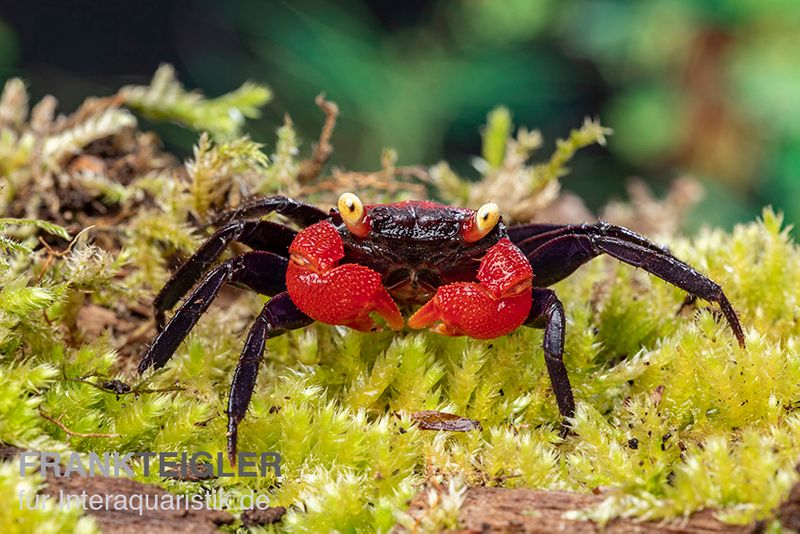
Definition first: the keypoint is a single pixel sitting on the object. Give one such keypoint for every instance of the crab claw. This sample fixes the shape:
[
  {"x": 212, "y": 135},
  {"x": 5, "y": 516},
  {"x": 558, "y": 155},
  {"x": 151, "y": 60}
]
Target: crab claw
[
  {"x": 332, "y": 293},
  {"x": 495, "y": 306}
]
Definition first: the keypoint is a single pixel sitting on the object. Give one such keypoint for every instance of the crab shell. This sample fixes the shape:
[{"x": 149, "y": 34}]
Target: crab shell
[{"x": 407, "y": 254}]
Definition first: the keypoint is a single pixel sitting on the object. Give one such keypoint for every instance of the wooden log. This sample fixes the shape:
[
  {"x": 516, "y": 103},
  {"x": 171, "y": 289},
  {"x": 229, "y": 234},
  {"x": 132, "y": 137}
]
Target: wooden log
[{"x": 488, "y": 509}]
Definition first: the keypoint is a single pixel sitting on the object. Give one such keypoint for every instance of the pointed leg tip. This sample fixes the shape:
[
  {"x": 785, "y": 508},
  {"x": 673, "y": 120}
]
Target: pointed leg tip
[
  {"x": 738, "y": 332},
  {"x": 733, "y": 319},
  {"x": 233, "y": 431},
  {"x": 143, "y": 366},
  {"x": 566, "y": 430},
  {"x": 149, "y": 362}
]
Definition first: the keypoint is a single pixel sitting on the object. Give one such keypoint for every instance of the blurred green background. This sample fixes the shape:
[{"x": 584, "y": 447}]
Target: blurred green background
[{"x": 704, "y": 88}]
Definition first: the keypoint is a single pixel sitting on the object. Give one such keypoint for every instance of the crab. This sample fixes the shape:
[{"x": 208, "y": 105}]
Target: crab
[{"x": 454, "y": 271}]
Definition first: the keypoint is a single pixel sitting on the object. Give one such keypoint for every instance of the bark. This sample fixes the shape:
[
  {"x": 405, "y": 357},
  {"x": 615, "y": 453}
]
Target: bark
[
  {"x": 129, "y": 521},
  {"x": 532, "y": 511}
]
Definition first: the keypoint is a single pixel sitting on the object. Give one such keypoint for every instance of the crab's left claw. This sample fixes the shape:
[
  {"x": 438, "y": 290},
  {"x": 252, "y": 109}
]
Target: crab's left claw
[
  {"x": 332, "y": 293},
  {"x": 497, "y": 305}
]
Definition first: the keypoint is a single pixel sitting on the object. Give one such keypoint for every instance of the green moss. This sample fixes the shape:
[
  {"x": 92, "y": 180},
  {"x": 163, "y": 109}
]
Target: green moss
[
  {"x": 672, "y": 415},
  {"x": 165, "y": 99},
  {"x": 495, "y": 136}
]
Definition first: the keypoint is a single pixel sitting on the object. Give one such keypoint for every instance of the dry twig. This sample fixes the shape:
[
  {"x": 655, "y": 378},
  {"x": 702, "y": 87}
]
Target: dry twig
[
  {"x": 69, "y": 432},
  {"x": 311, "y": 168}
]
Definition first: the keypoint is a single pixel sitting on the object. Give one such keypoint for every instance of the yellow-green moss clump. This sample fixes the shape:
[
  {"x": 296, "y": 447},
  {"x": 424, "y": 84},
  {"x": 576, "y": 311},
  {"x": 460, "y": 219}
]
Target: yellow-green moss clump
[{"x": 673, "y": 416}]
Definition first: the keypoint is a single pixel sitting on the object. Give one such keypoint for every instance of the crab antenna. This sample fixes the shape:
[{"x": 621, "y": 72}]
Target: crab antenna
[
  {"x": 353, "y": 214},
  {"x": 481, "y": 223}
]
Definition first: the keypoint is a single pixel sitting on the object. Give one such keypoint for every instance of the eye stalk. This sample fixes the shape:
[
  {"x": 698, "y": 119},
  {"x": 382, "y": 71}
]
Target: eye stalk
[
  {"x": 353, "y": 214},
  {"x": 481, "y": 223}
]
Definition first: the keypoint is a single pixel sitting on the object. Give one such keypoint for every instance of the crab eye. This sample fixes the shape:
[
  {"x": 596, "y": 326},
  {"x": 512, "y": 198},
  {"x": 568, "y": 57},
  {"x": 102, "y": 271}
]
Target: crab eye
[
  {"x": 352, "y": 211},
  {"x": 480, "y": 224}
]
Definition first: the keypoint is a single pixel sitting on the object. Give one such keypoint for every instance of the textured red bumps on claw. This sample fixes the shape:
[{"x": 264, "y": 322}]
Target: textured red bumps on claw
[
  {"x": 494, "y": 307},
  {"x": 332, "y": 293}
]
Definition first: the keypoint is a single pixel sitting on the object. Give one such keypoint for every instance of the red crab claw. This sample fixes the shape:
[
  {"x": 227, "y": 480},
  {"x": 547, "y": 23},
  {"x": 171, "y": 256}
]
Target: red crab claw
[
  {"x": 332, "y": 293},
  {"x": 498, "y": 304}
]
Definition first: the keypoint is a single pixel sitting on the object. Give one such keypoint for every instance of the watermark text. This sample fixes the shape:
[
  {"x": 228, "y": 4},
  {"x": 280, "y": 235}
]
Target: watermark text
[{"x": 168, "y": 464}]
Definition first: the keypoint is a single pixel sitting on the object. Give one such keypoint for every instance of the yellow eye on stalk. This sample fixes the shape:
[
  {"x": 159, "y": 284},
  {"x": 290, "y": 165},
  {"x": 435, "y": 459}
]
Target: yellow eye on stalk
[
  {"x": 352, "y": 211},
  {"x": 484, "y": 220}
]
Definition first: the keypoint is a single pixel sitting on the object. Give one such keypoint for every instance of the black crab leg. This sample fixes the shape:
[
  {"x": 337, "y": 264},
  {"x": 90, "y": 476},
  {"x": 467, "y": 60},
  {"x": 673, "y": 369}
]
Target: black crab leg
[
  {"x": 556, "y": 254},
  {"x": 278, "y": 316},
  {"x": 298, "y": 212},
  {"x": 548, "y": 313},
  {"x": 524, "y": 231},
  {"x": 530, "y": 237},
  {"x": 264, "y": 272},
  {"x": 258, "y": 235}
]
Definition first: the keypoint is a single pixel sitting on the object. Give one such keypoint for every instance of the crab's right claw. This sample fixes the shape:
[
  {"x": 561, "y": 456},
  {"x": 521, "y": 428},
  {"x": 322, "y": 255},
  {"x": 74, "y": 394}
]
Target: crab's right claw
[
  {"x": 494, "y": 307},
  {"x": 332, "y": 293}
]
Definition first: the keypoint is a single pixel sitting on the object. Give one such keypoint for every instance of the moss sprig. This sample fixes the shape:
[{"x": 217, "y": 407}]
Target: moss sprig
[{"x": 165, "y": 99}]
